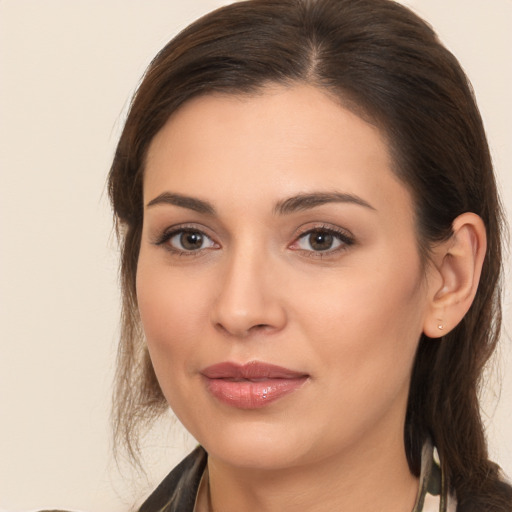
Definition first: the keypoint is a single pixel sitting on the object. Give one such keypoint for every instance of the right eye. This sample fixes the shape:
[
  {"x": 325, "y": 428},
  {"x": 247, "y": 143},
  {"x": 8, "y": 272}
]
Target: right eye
[{"x": 185, "y": 241}]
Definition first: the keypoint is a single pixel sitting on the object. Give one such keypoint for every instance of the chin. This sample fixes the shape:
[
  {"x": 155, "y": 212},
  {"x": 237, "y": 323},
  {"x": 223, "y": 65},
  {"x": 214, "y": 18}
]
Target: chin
[
  {"x": 259, "y": 456},
  {"x": 257, "y": 446}
]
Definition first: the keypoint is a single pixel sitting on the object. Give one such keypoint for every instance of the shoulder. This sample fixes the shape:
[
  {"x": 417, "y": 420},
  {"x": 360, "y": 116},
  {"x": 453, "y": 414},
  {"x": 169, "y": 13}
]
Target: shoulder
[{"x": 177, "y": 492}]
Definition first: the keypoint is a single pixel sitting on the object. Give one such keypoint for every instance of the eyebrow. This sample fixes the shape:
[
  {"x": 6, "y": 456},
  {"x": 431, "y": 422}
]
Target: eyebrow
[
  {"x": 191, "y": 203},
  {"x": 303, "y": 202},
  {"x": 290, "y": 205}
]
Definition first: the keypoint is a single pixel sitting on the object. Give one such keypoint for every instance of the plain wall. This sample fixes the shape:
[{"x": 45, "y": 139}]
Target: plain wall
[{"x": 67, "y": 71}]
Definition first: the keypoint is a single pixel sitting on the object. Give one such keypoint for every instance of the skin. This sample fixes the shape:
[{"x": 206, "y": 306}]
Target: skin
[{"x": 349, "y": 317}]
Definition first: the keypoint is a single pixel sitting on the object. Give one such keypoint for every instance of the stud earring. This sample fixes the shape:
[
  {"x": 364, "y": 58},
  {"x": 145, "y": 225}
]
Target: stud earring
[{"x": 440, "y": 326}]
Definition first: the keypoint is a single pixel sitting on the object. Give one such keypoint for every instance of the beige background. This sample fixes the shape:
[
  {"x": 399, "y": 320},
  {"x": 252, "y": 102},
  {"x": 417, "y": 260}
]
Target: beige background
[{"x": 67, "y": 70}]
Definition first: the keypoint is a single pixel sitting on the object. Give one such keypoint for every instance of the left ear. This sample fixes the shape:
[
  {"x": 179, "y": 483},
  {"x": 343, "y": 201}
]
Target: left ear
[{"x": 454, "y": 279}]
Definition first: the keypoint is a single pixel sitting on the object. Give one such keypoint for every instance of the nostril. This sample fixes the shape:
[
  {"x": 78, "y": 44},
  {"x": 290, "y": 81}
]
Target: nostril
[
  {"x": 259, "y": 327},
  {"x": 242, "y": 332}
]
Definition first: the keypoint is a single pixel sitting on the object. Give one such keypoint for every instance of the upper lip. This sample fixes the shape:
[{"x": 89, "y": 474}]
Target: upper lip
[{"x": 250, "y": 371}]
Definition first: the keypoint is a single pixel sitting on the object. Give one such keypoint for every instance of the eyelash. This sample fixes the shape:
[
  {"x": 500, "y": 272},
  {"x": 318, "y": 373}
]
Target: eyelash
[
  {"x": 180, "y": 230},
  {"x": 344, "y": 238}
]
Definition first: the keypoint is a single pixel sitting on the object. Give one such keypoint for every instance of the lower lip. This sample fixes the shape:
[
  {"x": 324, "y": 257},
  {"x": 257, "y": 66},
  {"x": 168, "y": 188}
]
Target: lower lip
[{"x": 247, "y": 394}]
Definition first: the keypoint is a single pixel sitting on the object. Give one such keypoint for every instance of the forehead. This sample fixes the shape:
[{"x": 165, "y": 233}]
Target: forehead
[{"x": 279, "y": 142}]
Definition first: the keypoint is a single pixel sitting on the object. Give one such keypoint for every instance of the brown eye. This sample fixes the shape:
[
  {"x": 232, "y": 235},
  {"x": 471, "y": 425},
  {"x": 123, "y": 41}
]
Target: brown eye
[
  {"x": 320, "y": 240},
  {"x": 189, "y": 241},
  {"x": 323, "y": 240}
]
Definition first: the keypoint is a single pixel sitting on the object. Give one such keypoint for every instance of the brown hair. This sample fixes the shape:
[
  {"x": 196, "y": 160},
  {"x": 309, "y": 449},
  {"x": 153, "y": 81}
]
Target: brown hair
[{"x": 383, "y": 61}]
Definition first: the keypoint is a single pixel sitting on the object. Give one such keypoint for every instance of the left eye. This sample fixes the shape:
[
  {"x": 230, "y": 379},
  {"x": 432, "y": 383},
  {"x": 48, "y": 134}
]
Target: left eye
[
  {"x": 188, "y": 241},
  {"x": 321, "y": 240}
]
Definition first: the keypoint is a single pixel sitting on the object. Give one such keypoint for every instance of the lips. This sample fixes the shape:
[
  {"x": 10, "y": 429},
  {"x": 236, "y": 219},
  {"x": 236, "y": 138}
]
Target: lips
[{"x": 253, "y": 385}]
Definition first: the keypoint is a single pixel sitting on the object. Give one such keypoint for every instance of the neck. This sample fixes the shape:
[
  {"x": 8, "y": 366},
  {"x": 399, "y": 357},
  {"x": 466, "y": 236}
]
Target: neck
[{"x": 371, "y": 479}]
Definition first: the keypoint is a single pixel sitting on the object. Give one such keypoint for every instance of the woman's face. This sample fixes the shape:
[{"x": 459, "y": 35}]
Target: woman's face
[{"x": 276, "y": 235}]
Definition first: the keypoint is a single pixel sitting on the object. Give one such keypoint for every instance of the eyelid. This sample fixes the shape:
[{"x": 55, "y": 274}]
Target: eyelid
[
  {"x": 171, "y": 231},
  {"x": 343, "y": 235},
  {"x": 346, "y": 238}
]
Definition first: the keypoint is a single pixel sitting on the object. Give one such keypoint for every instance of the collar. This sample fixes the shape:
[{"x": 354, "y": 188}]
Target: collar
[{"x": 433, "y": 493}]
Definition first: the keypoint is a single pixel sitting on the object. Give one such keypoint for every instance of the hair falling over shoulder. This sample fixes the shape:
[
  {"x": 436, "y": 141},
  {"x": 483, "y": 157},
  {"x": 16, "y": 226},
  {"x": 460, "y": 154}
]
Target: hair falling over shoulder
[{"x": 387, "y": 65}]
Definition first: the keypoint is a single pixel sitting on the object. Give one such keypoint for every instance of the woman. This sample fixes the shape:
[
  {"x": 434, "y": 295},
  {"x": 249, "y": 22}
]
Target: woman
[{"x": 311, "y": 246}]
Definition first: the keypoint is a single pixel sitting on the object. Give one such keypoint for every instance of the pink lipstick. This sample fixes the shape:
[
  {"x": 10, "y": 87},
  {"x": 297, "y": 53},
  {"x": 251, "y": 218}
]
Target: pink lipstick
[{"x": 252, "y": 385}]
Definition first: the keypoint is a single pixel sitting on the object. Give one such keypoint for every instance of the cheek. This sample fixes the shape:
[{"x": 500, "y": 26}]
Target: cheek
[
  {"x": 369, "y": 323},
  {"x": 171, "y": 309}
]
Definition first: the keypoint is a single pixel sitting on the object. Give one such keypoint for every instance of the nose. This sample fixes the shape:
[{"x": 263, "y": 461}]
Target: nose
[{"x": 249, "y": 299}]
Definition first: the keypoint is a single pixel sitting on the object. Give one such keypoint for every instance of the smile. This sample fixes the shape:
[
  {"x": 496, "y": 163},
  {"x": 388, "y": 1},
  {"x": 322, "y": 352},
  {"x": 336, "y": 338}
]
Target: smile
[{"x": 253, "y": 385}]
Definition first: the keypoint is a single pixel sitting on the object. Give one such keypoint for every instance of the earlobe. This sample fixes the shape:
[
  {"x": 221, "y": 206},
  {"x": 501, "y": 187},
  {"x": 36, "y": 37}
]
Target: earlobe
[{"x": 458, "y": 265}]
